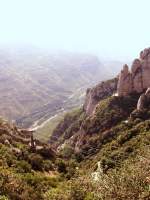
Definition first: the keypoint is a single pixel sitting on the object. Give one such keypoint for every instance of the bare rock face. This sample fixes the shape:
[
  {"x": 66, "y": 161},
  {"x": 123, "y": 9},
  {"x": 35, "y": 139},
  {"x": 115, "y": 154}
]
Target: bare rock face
[
  {"x": 147, "y": 93},
  {"x": 138, "y": 79},
  {"x": 144, "y": 100},
  {"x": 99, "y": 92},
  {"x": 136, "y": 71},
  {"x": 146, "y": 68},
  {"x": 125, "y": 82},
  {"x": 144, "y": 53},
  {"x": 141, "y": 102}
]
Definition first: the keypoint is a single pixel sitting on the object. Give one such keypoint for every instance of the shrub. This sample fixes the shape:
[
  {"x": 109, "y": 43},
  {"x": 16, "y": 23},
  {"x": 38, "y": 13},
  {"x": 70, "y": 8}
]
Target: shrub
[
  {"x": 23, "y": 167},
  {"x": 46, "y": 152},
  {"x": 67, "y": 152},
  {"x": 56, "y": 194},
  {"x": 79, "y": 157},
  {"x": 3, "y": 197},
  {"x": 36, "y": 161},
  {"x": 132, "y": 181},
  {"x": 61, "y": 166},
  {"x": 47, "y": 165}
]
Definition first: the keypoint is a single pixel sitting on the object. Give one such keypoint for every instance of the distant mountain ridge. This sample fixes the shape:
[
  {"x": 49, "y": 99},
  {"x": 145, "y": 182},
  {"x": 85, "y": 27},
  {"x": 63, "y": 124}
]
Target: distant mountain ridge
[{"x": 34, "y": 83}]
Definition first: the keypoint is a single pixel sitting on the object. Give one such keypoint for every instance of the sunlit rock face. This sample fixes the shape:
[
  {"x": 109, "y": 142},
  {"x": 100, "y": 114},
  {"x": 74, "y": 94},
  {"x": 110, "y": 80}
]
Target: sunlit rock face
[
  {"x": 125, "y": 82},
  {"x": 97, "y": 93},
  {"x": 136, "y": 74},
  {"x": 138, "y": 79},
  {"x": 144, "y": 100},
  {"x": 145, "y": 62}
]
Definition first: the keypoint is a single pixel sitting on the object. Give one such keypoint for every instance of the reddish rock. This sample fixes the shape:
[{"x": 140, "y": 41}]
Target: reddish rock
[
  {"x": 125, "y": 82},
  {"x": 138, "y": 80},
  {"x": 99, "y": 92},
  {"x": 144, "y": 100}
]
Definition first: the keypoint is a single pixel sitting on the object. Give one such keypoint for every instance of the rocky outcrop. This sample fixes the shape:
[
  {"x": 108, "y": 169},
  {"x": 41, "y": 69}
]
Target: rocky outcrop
[
  {"x": 125, "y": 82},
  {"x": 10, "y": 132},
  {"x": 137, "y": 76},
  {"x": 138, "y": 79},
  {"x": 99, "y": 92},
  {"x": 144, "y": 100}
]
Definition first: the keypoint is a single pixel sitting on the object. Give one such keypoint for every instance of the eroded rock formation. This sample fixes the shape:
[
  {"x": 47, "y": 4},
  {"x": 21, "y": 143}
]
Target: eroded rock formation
[
  {"x": 138, "y": 79},
  {"x": 99, "y": 92},
  {"x": 144, "y": 100},
  {"x": 125, "y": 82}
]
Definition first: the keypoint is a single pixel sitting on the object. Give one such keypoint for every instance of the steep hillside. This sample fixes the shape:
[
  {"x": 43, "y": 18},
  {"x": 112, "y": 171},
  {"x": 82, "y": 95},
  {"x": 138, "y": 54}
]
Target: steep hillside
[
  {"x": 103, "y": 154},
  {"x": 112, "y": 164},
  {"x": 112, "y": 148},
  {"x": 108, "y": 104},
  {"x": 36, "y": 84},
  {"x": 24, "y": 163},
  {"x": 110, "y": 138}
]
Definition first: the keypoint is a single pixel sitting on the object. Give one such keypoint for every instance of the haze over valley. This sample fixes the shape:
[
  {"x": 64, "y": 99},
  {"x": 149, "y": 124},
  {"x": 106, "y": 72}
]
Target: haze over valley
[{"x": 36, "y": 84}]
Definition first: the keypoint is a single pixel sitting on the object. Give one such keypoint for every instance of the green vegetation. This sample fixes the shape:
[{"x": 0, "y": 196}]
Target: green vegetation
[
  {"x": 125, "y": 164},
  {"x": 130, "y": 181},
  {"x": 109, "y": 112},
  {"x": 117, "y": 136},
  {"x": 112, "y": 162},
  {"x": 20, "y": 176},
  {"x": 43, "y": 133},
  {"x": 68, "y": 126}
]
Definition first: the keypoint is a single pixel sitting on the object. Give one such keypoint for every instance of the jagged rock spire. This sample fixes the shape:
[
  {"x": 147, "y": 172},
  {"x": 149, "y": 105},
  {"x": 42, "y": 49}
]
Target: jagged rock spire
[
  {"x": 125, "y": 82},
  {"x": 138, "y": 79}
]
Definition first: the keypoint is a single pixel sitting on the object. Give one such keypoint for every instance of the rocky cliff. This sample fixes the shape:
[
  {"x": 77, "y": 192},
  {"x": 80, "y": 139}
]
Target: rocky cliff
[
  {"x": 144, "y": 100},
  {"x": 108, "y": 104},
  {"x": 136, "y": 80},
  {"x": 99, "y": 92}
]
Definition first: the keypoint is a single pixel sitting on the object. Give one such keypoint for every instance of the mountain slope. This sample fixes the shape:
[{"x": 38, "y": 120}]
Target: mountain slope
[
  {"x": 24, "y": 164},
  {"x": 102, "y": 154},
  {"x": 112, "y": 141},
  {"x": 111, "y": 102},
  {"x": 35, "y": 84},
  {"x": 112, "y": 149}
]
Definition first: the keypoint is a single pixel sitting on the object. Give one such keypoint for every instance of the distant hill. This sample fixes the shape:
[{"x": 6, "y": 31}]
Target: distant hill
[{"x": 35, "y": 84}]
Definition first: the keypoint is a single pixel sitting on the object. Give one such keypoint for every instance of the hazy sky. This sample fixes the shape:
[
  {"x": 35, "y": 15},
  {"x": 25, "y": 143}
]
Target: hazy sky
[{"x": 113, "y": 28}]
